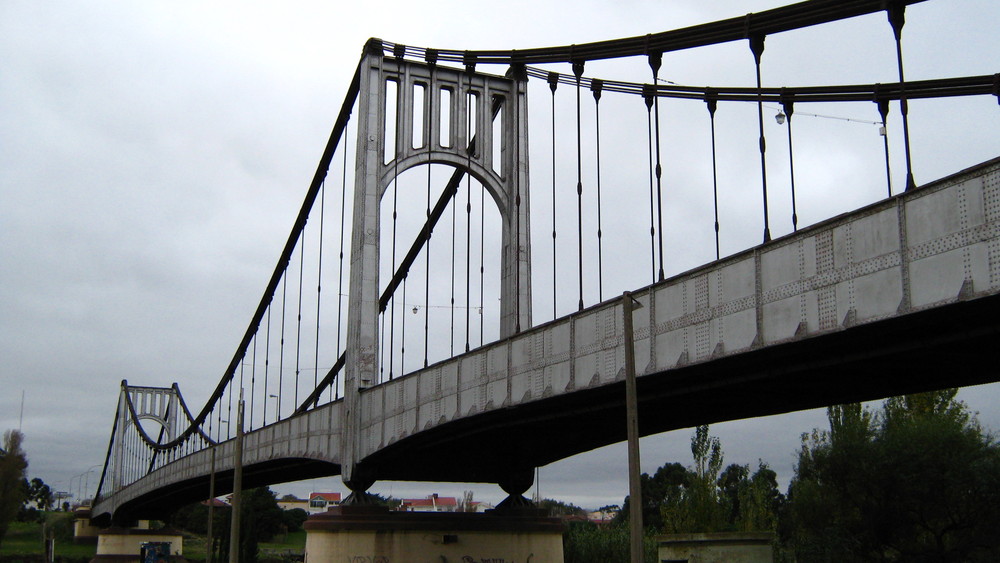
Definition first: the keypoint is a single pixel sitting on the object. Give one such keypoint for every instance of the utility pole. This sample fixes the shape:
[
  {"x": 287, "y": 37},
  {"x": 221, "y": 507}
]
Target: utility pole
[
  {"x": 234, "y": 530},
  {"x": 632, "y": 422},
  {"x": 209, "y": 539}
]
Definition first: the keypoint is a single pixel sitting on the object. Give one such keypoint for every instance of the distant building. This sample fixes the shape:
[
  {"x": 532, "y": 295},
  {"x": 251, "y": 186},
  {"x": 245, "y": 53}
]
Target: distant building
[
  {"x": 321, "y": 502},
  {"x": 433, "y": 503},
  {"x": 288, "y": 502},
  {"x": 602, "y": 517}
]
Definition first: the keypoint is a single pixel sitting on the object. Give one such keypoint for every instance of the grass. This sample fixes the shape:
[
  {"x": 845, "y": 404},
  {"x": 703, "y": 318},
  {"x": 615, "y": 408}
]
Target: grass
[
  {"x": 25, "y": 538},
  {"x": 295, "y": 542}
]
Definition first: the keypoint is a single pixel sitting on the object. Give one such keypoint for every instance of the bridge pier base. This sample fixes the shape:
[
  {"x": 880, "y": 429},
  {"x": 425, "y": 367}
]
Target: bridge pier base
[
  {"x": 83, "y": 531},
  {"x": 374, "y": 534},
  {"x": 123, "y": 545}
]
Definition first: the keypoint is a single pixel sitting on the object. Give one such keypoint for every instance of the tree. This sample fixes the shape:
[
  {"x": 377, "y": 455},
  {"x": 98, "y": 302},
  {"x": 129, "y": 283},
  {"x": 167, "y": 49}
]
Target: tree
[
  {"x": 704, "y": 498},
  {"x": 697, "y": 507},
  {"x": 467, "y": 504},
  {"x": 260, "y": 520},
  {"x": 560, "y": 508},
  {"x": 194, "y": 518},
  {"x": 40, "y": 494},
  {"x": 294, "y": 518},
  {"x": 664, "y": 488},
  {"x": 731, "y": 482},
  {"x": 13, "y": 463},
  {"x": 919, "y": 481},
  {"x": 759, "y": 500}
]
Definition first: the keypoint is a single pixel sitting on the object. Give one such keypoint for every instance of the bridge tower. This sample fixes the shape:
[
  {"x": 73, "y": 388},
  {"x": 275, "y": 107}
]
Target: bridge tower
[
  {"x": 457, "y": 114},
  {"x": 135, "y": 403}
]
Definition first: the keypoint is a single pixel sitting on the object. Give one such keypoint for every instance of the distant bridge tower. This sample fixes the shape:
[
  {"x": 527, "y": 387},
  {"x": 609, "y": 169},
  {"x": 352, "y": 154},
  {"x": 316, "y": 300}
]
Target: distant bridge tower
[
  {"x": 159, "y": 404},
  {"x": 444, "y": 105}
]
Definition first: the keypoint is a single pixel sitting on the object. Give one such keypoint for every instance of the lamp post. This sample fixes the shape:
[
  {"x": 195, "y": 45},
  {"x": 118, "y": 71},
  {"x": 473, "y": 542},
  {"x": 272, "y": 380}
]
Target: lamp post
[
  {"x": 86, "y": 487},
  {"x": 277, "y": 413},
  {"x": 81, "y": 491},
  {"x": 234, "y": 530},
  {"x": 209, "y": 539},
  {"x": 77, "y": 496}
]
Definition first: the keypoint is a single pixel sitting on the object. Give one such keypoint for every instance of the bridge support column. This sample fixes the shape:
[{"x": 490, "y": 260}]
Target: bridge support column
[
  {"x": 373, "y": 533},
  {"x": 515, "y": 484}
]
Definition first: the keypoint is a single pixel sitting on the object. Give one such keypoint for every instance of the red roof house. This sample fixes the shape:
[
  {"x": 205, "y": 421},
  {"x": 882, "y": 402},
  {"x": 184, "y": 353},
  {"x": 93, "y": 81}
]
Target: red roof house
[{"x": 433, "y": 503}]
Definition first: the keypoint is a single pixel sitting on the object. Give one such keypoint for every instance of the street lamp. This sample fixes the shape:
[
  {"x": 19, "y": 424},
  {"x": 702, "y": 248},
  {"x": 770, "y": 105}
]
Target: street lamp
[
  {"x": 77, "y": 486},
  {"x": 86, "y": 487},
  {"x": 785, "y": 113},
  {"x": 81, "y": 490},
  {"x": 277, "y": 406}
]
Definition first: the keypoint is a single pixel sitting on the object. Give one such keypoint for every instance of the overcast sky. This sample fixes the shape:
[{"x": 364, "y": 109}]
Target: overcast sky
[{"x": 153, "y": 156}]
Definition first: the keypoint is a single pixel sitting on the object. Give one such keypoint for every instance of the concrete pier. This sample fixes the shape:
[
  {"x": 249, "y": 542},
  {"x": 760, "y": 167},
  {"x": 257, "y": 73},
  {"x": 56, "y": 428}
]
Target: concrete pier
[
  {"x": 717, "y": 547},
  {"x": 373, "y": 534},
  {"x": 122, "y": 545},
  {"x": 83, "y": 531}
]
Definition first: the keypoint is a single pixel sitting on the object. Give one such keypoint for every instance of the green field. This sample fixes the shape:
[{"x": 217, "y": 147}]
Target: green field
[
  {"x": 25, "y": 538},
  {"x": 293, "y": 543}
]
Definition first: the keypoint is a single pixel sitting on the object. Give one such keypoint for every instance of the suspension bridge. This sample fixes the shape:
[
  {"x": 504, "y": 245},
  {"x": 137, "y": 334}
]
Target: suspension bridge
[{"x": 428, "y": 362}]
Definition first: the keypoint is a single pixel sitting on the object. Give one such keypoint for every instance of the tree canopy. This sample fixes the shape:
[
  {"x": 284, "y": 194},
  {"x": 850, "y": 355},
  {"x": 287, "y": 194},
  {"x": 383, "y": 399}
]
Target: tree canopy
[
  {"x": 40, "y": 494},
  {"x": 261, "y": 519},
  {"x": 13, "y": 464},
  {"x": 916, "y": 481},
  {"x": 706, "y": 498}
]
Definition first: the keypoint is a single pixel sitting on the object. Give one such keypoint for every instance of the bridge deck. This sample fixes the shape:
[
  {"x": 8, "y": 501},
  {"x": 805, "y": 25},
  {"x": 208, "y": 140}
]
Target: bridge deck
[{"x": 895, "y": 297}]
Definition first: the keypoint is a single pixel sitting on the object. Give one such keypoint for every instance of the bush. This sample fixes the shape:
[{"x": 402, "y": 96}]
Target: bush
[
  {"x": 294, "y": 518},
  {"x": 585, "y": 542},
  {"x": 60, "y": 526},
  {"x": 30, "y": 514}
]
